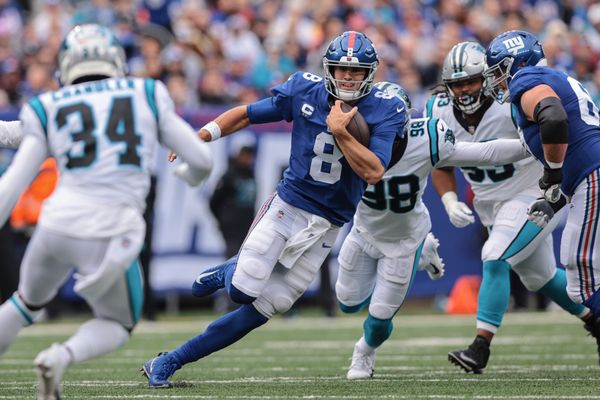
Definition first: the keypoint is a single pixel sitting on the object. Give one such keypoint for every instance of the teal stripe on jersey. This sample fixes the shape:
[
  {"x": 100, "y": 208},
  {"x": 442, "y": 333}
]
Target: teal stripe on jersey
[
  {"x": 135, "y": 287},
  {"x": 150, "y": 86},
  {"x": 513, "y": 115},
  {"x": 429, "y": 107},
  {"x": 40, "y": 111},
  {"x": 527, "y": 233},
  {"x": 20, "y": 309},
  {"x": 433, "y": 141}
]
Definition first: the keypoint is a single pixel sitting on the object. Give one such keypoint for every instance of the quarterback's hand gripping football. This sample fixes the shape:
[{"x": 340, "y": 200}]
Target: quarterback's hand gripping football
[
  {"x": 337, "y": 120},
  {"x": 459, "y": 213}
]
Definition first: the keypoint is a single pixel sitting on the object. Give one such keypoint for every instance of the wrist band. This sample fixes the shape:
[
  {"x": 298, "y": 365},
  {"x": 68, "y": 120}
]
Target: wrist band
[
  {"x": 554, "y": 165},
  {"x": 213, "y": 128}
]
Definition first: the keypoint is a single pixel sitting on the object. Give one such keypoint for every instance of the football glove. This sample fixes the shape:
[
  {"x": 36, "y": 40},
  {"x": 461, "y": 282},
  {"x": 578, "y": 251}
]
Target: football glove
[
  {"x": 542, "y": 211},
  {"x": 193, "y": 178},
  {"x": 459, "y": 213},
  {"x": 550, "y": 184}
]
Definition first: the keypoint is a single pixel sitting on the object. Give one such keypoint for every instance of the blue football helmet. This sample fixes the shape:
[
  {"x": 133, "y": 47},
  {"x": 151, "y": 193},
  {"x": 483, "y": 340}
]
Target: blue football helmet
[
  {"x": 394, "y": 90},
  {"x": 90, "y": 50},
  {"x": 350, "y": 49},
  {"x": 505, "y": 55}
]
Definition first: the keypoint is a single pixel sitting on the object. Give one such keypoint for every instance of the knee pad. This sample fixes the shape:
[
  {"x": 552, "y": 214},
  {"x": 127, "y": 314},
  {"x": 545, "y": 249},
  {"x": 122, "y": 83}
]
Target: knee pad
[
  {"x": 382, "y": 311},
  {"x": 377, "y": 330},
  {"x": 277, "y": 298},
  {"x": 251, "y": 275}
]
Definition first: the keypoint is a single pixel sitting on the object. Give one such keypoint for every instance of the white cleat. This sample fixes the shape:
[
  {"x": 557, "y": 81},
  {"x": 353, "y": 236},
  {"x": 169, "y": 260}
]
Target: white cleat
[
  {"x": 430, "y": 259},
  {"x": 362, "y": 366},
  {"x": 50, "y": 366}
]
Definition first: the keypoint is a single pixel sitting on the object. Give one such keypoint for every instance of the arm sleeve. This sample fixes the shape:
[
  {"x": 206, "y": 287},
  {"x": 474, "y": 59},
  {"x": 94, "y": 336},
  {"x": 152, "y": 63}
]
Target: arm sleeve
[
  {"x": 22, "y": 170},
  {"x": 179, "y": 136},
  {"x": 494, "y": 152},
  {"x": 264, "y": 111},
  {"x": 10, "y": 134}
]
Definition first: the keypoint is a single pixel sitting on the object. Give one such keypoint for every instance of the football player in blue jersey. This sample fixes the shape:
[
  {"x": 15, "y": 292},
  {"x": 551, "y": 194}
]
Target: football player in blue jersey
[
  {"x": 560, "y": 125},
  {"x": 327, "y": 175}
]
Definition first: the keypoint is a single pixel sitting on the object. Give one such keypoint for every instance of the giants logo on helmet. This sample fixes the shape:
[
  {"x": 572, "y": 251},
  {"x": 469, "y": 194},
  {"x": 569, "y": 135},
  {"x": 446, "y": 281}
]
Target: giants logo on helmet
[{"x": 514, "y": 44}]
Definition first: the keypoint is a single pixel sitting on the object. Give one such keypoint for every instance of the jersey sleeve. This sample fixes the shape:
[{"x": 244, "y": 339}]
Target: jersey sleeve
[
  {"x": 283, "y": 95},
  {"x": 10, "y": 133},
  {"x": 176, "y": 134},
  {"x": 493, "y": 152},
  {"x": 524, "y": 80},
  {"x": 386, "y": 117},
  {"x": 33, "y": 119},
  {"x": 441, "y": 140}
]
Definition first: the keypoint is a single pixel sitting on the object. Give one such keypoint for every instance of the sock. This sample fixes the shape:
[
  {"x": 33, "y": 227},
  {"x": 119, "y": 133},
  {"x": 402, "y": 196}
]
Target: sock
[
  {"x": 364, "y": 347},
  {"x": 95, "y": 338},
  {"x": 377, "y": 331},
  {"x": 556, "y": 289},
  {"x": 221, "y": 333},
  {"x": 593, "y": 302},
  {"x": 14, "y": 316},
  {"x": 494, "y": 293}
]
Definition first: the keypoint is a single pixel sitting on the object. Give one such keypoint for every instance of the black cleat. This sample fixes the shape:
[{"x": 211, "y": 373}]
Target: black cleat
[
  {"x": 473, "y": 359},
  {"x": 592, "y": 325}
]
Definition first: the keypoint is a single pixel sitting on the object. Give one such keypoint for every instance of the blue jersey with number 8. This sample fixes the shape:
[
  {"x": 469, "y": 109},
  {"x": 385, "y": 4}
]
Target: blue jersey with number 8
[{"x": 318, "y": 178}]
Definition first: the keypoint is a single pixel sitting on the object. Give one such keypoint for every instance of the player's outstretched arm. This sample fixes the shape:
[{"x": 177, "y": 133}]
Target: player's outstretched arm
[
  {"x": 494, "y": 152},
  {"x": 22, "y": 170},
  {"x": 444, "y": 182},
  {"x": 362, "y": 160},
  {"x": 11, "y": 134},
  {"x": 225, "y": 124}
]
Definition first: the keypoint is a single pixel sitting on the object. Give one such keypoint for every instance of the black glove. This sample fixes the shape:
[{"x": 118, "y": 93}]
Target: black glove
[
  {"x": 550, "y": 184},
  {"x": 542, "y": 211}
]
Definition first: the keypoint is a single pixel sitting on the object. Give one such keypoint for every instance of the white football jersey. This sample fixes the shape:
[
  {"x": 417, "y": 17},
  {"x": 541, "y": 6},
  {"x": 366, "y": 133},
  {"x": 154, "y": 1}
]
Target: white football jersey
[
  {"x": 492, "y": 184},
  {"x": 104, "y": 146},
  {"x": 391, "y": 214}
]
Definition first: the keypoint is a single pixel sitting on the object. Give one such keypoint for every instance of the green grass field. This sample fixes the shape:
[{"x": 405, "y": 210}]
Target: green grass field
[{"x": 535, "y": 356}]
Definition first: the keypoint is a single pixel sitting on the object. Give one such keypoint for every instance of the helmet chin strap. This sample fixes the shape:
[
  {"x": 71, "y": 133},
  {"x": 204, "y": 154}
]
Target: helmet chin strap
[{"x": 346, "y": 95}]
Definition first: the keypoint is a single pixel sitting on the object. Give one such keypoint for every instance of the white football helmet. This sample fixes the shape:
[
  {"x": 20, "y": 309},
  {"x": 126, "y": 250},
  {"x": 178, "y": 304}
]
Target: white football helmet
[
  {"x": 465, "y": 61},
  {"x": 90, "y": 50}
]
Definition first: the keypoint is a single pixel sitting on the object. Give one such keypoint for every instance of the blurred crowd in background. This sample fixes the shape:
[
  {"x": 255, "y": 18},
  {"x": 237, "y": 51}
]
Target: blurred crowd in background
[{"x": 222, "y": 52}]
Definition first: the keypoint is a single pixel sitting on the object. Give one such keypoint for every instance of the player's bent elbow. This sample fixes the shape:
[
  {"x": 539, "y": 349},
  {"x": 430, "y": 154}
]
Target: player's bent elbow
[{"x": 372, "y": 177}]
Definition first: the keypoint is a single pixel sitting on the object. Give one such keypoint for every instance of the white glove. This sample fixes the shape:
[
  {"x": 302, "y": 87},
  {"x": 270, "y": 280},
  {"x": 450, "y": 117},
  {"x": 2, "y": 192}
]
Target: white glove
[
  {"x": 193, "y": 178},
  {"x": 459, "y": 213}
]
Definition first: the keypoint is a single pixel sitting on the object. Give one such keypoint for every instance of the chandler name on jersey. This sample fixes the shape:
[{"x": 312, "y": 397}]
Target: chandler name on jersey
[
  {"x": 494, "y": 183},
  {"x": 319, "y": 179},
  {"x": 104, "y": 147}
]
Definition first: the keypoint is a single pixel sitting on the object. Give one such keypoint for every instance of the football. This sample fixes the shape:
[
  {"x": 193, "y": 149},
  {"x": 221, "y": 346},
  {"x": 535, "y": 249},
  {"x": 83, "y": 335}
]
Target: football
[{"x": 357, "y": 126}]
